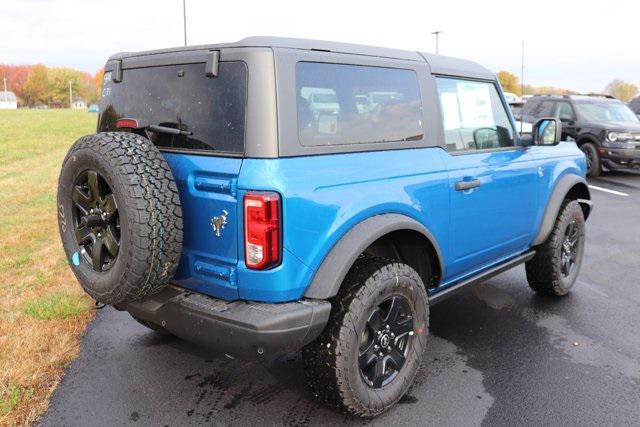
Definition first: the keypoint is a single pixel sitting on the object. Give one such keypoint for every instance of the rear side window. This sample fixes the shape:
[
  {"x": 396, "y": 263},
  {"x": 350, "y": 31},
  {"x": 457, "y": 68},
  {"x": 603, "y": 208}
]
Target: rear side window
[
  {"x": 182, "y": 97},
  {"x": 352, "y": 104},
  {"x": 539, "y": 108},
  {"x": 474, "y": 116}
]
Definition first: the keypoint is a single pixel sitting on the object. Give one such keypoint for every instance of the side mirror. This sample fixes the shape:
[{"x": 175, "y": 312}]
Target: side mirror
[
  {"x": 547, "y": 131},
  {"x": 485, "y": 138}
]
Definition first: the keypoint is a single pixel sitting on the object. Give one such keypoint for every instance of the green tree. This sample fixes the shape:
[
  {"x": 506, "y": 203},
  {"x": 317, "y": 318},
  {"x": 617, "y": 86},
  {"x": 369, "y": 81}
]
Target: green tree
[
  {"x": 509, "y": 82},
  {"x": 37, "y": 85},
  {"x": 622, "y": 90},
  {"x": 82, "y": 86}
]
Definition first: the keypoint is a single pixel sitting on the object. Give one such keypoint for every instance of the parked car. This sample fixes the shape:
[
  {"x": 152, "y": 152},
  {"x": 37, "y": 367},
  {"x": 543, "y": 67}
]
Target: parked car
[
  {"x": 634, "y": 105},
  {"x": 516, "y": 109},
  {"x": 605, "y": 129},
  {"x": 512, "y": 97},
  {"x": 213, "y": 204},
  {"x": 93, "y": 108}
]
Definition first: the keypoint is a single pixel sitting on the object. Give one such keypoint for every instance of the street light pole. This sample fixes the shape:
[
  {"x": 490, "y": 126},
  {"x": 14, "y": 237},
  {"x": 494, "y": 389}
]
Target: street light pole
[
  {"x": 184, "y": 19},
  {"x": 70, "y": 95},
  {"x": 437, "y": 34}
]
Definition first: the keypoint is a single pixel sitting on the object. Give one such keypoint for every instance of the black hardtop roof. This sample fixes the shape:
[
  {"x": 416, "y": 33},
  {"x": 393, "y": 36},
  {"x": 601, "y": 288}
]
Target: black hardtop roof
[{"x": 439, "y": 64}]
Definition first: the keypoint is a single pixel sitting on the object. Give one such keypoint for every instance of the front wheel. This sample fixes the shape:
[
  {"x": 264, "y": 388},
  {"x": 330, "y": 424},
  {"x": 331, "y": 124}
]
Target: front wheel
[
  {"x": 368, "y": 355},
  {"x": 594, "y": 168},
  {"x": 555, "y": 267}
]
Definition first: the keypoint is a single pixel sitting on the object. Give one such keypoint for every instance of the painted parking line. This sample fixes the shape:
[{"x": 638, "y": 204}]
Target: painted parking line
[{"x": 606, "y": 190}]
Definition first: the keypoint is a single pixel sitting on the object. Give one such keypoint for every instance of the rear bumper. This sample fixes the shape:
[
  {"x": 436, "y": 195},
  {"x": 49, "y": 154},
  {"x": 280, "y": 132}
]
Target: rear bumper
[{"x": 241, "y": 329}]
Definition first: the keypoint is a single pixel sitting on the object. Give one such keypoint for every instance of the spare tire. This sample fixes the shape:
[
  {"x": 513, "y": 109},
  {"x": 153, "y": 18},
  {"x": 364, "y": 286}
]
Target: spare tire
[{"x": 119, "y": 216}]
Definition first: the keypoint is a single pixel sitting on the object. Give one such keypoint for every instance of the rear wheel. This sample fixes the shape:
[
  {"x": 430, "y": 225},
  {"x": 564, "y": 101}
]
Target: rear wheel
[
  {"x": 594, "y": 168},
  {"x": 555, "y": 267},
  {"x": 368, "y": 355}
]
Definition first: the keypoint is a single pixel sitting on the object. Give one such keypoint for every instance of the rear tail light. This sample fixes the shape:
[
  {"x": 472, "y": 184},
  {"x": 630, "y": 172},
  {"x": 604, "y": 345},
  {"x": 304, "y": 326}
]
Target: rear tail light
[{"x": 261, "y": 230}]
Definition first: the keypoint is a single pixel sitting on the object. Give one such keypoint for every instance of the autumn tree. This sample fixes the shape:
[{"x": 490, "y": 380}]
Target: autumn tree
[
  {"x": 82, "y": 86},
  {"x": 36, "y": 88},
  {"x": 16, "y": 76},
  {"x": 622, "y": 90},
  {"x": 97, "y": 80},
  {"x": 509, "y": 82}
]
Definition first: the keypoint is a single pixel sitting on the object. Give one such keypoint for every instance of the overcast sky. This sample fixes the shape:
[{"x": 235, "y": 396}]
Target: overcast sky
[{"x": 577, "y": 45}]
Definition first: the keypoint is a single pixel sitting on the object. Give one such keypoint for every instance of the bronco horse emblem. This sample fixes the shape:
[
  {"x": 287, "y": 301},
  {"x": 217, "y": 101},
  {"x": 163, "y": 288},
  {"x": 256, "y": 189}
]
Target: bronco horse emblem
[{"x": 218, "y": 222}]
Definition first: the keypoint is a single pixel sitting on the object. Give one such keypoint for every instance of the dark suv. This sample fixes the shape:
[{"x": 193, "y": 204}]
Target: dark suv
[
  {"x": 635, "y": 106},
  {"x": 605, "y": 129}
]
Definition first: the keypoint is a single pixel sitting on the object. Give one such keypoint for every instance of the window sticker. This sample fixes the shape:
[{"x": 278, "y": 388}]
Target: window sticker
[{"x": 475, "y": 105}]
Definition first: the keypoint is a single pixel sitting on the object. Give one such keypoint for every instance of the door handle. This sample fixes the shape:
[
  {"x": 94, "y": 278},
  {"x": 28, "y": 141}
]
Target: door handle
[{"x": 467, "y": 185}]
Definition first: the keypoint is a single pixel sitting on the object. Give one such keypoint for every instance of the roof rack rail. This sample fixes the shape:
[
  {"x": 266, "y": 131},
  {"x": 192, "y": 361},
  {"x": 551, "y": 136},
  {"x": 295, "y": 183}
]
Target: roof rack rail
[{"x": 600, "y": 95}]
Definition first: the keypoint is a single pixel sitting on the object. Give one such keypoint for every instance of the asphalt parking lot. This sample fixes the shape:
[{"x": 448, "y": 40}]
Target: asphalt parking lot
[{"x": 498, "y": 355}]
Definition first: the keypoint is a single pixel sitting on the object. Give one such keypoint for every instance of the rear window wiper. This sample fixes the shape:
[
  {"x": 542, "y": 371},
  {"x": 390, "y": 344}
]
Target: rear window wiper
[
  {"x": 171, "y": 131},
  {"x": 144, "y": 125}
]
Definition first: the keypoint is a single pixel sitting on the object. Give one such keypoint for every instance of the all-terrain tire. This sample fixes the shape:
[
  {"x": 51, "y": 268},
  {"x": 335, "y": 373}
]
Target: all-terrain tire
[
  {"x": 149, "y": 222},
  {"x": 545, "y": 270},
  {"x": 594, "y": 166},
  {"x": 331, "y": 361}
]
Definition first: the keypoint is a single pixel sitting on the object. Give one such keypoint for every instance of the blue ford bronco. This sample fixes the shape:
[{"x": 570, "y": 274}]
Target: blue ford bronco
[{"x": 276, "y": 195}]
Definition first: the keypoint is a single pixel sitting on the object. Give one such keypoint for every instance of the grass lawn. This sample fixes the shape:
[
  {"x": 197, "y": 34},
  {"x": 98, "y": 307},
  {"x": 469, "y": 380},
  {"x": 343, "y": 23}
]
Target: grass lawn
[{"x": 43, "y": 311}]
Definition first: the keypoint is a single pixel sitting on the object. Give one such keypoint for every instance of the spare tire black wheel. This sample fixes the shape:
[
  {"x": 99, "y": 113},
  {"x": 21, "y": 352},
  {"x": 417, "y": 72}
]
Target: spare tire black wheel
[{"x": 119, "y": 216}]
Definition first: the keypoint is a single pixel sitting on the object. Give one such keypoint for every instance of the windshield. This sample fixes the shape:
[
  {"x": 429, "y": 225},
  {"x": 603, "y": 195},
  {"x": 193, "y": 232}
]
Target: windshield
[{"x": 605, "y": 112}]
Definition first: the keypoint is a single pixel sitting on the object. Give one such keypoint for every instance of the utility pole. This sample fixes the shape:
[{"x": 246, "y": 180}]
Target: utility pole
[
  {"x": 522, "y": 71},
  {"x": 184, "y": 19},
  {"x": 70, "y": 95},
  {"x": 5, "y": 85},
  {"x": 437, "y": 34},
  {"x": 522, "y": 81}
]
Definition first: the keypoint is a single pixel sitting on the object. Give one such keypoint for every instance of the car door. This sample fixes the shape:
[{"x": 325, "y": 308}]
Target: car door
[
  {"x": 564, "y": 112},
  {"x": 492, "y": 182}
]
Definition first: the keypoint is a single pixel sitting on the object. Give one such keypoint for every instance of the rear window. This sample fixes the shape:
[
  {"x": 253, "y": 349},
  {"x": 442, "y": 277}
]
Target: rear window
[
  {"x": 352, "y": 104},
  {"x": 182, "y": 97}
]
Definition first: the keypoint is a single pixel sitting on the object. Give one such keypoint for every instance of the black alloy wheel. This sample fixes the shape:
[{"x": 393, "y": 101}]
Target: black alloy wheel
[
  {"x": 96, "y": 220},
  {"x": 589, "y": 157},
  {"x": 569, "y": 251},
  {"x": 385, "y": 341}
]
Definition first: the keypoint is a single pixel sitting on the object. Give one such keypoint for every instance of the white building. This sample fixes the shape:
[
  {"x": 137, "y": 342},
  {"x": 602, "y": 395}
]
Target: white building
[
  {"x": 8, "y": 101},
  {"x": 79, "y": 104}
]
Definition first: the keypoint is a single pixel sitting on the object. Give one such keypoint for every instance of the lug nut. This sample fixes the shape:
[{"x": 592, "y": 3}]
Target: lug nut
[
  {"x": 99, "y": 234},
  {"x": 380, "y": 354},
  {"x": 387, "y": 327},
  {"x": 393, "y": 335},
  {"x": 375, "y": 347}
]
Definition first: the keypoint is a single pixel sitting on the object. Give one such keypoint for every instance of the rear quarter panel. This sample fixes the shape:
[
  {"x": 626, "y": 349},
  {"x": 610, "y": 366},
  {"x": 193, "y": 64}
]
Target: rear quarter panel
[{"x": 325, "y": 196}]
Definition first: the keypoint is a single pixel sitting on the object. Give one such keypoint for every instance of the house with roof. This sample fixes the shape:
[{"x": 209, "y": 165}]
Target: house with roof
[
  {"x": 79, "y": 104},
  {"x": 8, "y": 100}
]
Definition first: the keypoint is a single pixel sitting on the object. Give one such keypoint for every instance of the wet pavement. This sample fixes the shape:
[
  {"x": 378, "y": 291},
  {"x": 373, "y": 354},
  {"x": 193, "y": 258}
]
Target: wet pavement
[{"x": 497, "y": 355}]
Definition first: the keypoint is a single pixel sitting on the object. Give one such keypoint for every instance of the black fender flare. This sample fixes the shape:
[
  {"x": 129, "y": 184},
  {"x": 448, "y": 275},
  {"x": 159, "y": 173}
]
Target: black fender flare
[
  {"x": 336, "y": 264},
  {"x": 560, "y": 191}
]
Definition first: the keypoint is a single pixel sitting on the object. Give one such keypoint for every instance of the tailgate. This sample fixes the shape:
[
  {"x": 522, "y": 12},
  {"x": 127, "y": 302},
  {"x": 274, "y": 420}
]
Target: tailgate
[{"x": 207, "y": 187}]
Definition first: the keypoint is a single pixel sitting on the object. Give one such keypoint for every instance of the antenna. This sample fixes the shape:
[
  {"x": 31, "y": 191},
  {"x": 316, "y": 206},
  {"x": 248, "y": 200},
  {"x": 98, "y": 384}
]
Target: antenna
[
  {"x": 437, "y": 33},
  {"x": 184, "y": 20}
]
